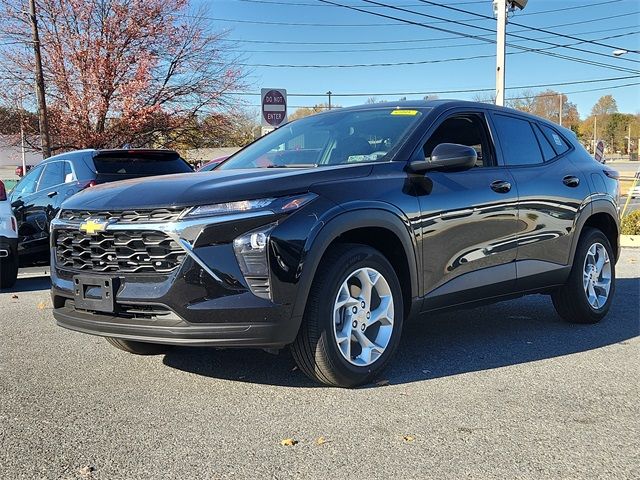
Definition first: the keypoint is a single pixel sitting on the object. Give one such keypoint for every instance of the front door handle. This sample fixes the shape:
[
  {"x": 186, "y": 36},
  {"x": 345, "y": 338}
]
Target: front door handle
[
  {"x": 571, "y": 181},
  {"x": 52, "y": 194},
  {"x": 501, "y": 186}
]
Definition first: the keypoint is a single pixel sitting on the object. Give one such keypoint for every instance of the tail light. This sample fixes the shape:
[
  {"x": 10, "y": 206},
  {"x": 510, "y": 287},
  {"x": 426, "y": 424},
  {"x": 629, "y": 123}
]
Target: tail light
[
  {"x": 3, "y": 191},
  {"x": 87, "y": 184},
  {"x": 14, "y": 224}
]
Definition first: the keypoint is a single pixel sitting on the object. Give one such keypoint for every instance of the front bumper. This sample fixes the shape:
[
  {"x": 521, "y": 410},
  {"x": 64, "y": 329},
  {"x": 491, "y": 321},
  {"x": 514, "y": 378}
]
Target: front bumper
[{"x": 205, "y": 301}]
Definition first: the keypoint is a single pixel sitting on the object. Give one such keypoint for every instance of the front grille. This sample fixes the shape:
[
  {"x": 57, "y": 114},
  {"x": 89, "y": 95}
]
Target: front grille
[
  {"x": 124, "y": 216},
  {"x": 117, "y": 251}
]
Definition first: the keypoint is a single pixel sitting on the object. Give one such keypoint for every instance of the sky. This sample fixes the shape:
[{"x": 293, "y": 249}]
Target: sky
[{"x": 275, "y": 38}]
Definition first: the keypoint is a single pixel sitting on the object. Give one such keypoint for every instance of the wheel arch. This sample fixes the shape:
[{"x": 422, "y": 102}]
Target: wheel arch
[
  {"x": 602, "y": 215},
  {"x": 376, "y": 227}
]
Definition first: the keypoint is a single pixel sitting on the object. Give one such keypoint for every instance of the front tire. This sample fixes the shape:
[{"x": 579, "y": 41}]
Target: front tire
[
  {"x": 137, "y": 348},
  {"x": 588, "y": 293},
  {"x": 353, "y": 318}
]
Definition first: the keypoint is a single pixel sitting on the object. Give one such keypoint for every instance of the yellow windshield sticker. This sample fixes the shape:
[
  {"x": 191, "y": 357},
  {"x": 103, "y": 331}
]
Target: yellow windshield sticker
[{"x": 410, "y": 113}]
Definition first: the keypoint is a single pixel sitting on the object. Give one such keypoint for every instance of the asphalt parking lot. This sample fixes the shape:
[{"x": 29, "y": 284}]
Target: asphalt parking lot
[{"x": 503, "y": 391}]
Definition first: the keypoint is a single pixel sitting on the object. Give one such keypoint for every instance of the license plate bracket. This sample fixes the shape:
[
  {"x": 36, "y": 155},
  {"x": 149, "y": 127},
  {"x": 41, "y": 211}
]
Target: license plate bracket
[{"x": 95, "y": 293}]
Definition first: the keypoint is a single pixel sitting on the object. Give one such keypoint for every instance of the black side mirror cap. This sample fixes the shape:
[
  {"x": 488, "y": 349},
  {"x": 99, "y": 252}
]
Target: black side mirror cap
[{"x": 446, "y": 156}]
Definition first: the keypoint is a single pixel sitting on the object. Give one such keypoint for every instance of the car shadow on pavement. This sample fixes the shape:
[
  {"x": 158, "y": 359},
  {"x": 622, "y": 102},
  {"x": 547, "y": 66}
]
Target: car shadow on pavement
[
  {"x": 30, "y": 284},
  {"x": 445, "y": 344}
]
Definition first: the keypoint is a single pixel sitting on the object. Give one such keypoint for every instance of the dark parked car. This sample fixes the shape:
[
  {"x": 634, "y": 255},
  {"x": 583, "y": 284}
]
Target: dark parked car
[
  {"x": 360, "y": 219},
  {"x": 36, "y": 199},
  {"x": 212, "y": 164}
]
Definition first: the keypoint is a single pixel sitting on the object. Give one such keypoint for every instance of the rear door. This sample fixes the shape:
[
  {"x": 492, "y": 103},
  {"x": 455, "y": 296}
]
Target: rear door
[
  {"x": 469, "y": 218},
  {"x": 550, "y": 190}
]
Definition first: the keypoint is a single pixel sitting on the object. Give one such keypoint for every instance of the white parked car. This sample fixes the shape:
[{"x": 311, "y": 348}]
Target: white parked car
[
  {"x": 635, "y": 192},
  {"x": 8, "y": 242}
]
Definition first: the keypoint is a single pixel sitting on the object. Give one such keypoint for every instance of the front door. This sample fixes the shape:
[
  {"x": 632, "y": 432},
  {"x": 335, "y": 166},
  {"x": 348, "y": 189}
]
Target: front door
[{"x": 469, "y": 219}]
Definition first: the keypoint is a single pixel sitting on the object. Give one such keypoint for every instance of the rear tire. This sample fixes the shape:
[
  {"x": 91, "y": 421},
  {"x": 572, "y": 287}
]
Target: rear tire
[
  {"x": 8, "y": 271},
  {"x": 137, "y": 348},
  {"x": 353, "y": 318},
  {"x": 585, "y": 297}
]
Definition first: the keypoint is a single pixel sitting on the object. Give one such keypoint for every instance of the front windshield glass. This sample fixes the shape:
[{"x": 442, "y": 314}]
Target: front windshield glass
[{"x": 338, "y": 138}]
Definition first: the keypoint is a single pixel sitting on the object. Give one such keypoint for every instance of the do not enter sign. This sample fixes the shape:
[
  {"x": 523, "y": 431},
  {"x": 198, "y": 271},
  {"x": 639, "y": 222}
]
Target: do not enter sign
[
  {"x": 274, "y": 106},
  {"x": 599, "y": 156}
]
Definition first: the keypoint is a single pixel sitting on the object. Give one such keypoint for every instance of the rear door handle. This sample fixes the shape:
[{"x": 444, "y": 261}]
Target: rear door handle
[
  {"x": 571, "y": 181},
  {"x": 501, "y": 186},
  {"x": 52, "y": 194}
]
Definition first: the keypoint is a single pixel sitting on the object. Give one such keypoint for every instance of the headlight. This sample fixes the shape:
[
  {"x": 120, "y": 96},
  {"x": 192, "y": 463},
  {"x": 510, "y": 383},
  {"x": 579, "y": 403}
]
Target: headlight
[
  {"x": 273, "y": 205},
  {"x": 252, "y": 253}
]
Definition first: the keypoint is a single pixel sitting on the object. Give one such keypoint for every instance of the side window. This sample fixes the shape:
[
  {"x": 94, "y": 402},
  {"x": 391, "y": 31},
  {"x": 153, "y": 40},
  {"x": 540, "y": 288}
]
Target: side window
[
  {"x": 53, "y": 175},
  {"x": 547, "y": 150},
  {"x": 28, "y": 184},
  {"x": 558, "y": 143},
  {"x": 68, "y": 173},
  {"x": 518, "y": 142},
  {"x": 469, "y": 130}
]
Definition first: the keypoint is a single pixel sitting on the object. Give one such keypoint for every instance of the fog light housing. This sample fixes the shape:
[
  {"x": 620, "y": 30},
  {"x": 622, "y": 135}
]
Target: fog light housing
[{"x": 252, "y": 253}]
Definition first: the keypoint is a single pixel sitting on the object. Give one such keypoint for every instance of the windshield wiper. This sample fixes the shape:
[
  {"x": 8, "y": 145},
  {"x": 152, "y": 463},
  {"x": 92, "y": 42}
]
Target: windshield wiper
[{"x": 295, "y": 165}]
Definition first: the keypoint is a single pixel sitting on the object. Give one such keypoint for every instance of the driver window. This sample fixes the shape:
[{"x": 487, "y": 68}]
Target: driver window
[
  {"x": 469, "y": 130},
  {"x": 28, "y": 184}
]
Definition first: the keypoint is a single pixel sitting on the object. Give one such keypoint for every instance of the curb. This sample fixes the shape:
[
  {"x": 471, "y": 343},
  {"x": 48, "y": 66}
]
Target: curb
[{"x": 630, "y": 241}]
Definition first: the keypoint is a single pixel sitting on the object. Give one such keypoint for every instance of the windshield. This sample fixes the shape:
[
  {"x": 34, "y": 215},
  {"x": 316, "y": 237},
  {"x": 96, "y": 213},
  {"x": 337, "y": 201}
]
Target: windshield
[{"x": 338, "y": 138}]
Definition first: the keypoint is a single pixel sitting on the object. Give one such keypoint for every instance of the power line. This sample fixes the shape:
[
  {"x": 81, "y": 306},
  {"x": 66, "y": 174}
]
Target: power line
[
  {"x": 301, "y": 4},
  {"x": 417, "y": 48},
  {"x": 477, "y": 37},
  {"x": 432, "y": 92},
  {"x": 555, "y": 94},
  {"x": 372, "y": 2},
  {"x": 378, "y": 42},
  {"x": 542, "y": 30}
]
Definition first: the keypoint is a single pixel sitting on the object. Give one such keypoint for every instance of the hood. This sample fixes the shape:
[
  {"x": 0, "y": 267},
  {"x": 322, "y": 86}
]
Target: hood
[{"x": 190, "y": 189}]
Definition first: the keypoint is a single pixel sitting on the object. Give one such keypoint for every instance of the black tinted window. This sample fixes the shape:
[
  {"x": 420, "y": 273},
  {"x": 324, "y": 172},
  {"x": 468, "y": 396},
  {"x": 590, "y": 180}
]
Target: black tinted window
[
  {"x": 547, "y": 149},
  {"x": 139, "y": 164},
  {"x": 557, "y": 142},
  {"x": 53, "y": 175},
  {"x": 468, "y": 130},
  {"x": 518, "y": 142}
]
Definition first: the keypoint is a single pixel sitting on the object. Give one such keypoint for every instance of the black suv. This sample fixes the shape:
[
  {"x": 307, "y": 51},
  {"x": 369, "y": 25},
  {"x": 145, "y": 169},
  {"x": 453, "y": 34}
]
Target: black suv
[
  {"x": 330, "y": 232},
  {"x": 36, "y": 199}
]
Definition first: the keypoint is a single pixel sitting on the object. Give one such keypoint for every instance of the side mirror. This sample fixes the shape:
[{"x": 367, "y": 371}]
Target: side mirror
[{"x": 447, "y": 156}]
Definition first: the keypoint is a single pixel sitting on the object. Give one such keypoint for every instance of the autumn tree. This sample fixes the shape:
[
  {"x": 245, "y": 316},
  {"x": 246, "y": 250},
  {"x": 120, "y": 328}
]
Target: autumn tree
[
  {"x": 119, "y": 71},
  {"x": 605, "y": 106},
  {"x": 306, "y": 111},
  {"x": 547, "y": 104}
]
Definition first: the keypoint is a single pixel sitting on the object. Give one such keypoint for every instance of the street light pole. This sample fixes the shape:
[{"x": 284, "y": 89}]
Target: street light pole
[
  {"x": 43, "y": 120},
  {"x": 501, "y": 13}
]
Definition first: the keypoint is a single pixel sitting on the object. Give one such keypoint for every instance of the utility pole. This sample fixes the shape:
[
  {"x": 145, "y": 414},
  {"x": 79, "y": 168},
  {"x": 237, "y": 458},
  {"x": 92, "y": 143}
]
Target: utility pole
[
  {"x": 560, "y": 111},
  {"x": 629, "y": 142},
  {"x": 595, "y": 132},
  {"x": 43, "y": 119},
  {"x": 329, "y": 94},
  {"x": 501, "y": 13}
]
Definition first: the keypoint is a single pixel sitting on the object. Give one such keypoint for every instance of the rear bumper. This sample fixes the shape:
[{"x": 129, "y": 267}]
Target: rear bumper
[{"x": 8, "y": 247}]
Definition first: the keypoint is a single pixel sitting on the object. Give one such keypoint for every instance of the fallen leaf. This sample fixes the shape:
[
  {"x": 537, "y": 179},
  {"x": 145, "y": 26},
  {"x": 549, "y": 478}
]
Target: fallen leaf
[
  {"x": 42, "y": 305},
  {"x": 14, "y": 296},
  {"x": 408, "y": 438},
  {"x": 85, "y": 472},
  {"x": 382, "y": 383},
  {"x": 321, "y": 441},
  {"x": 288, "y": 442}
]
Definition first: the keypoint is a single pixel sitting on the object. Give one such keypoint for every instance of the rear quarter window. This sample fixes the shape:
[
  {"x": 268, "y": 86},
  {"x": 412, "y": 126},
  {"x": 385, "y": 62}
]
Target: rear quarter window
[{"x": 558, "y": 143}]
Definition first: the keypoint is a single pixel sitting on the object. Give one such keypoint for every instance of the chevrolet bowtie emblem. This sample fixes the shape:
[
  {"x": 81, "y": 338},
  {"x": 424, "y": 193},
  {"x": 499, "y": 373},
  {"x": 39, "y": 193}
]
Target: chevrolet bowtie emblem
[{"x": 91, "y": 226}]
